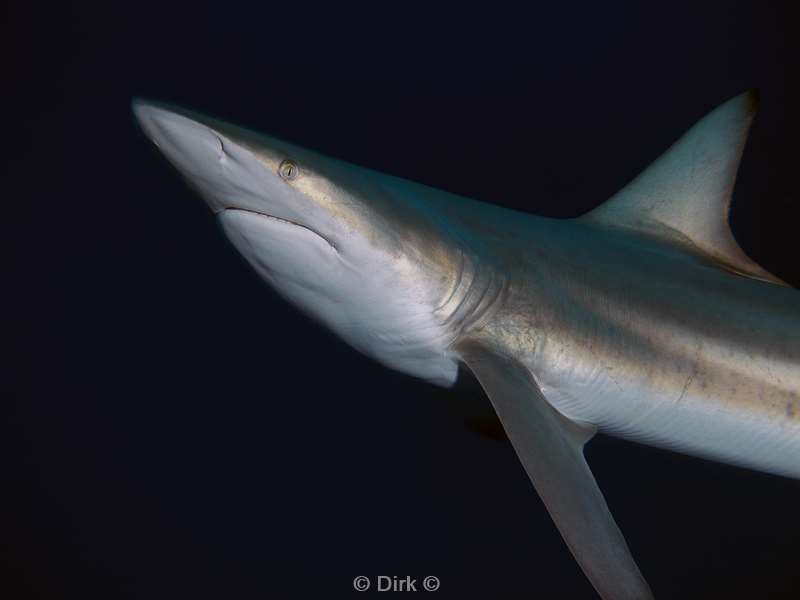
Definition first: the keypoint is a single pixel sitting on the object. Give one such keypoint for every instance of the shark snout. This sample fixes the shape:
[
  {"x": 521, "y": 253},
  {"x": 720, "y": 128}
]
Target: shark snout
[
  {"x": 192, "y": 146},
  {"x": 234, "y": 169},
  {"x": 211, "y": 158}
]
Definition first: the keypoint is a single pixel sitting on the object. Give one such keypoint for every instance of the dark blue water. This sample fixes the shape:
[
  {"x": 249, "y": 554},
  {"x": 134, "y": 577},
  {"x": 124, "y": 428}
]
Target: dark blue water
[{"x": 171, "y": 429}]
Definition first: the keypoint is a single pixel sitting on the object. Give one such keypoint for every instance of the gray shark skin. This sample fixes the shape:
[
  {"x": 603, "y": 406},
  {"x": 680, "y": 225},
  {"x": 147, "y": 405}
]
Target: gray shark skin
[{"x": 642, "y": 319}]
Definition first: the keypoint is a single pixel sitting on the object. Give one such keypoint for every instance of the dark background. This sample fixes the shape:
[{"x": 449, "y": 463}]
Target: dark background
[{"x": 173, "y": 429}]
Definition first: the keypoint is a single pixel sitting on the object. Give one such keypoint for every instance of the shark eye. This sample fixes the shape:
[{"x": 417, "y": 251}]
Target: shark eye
[{"x": 288, "y": 169}]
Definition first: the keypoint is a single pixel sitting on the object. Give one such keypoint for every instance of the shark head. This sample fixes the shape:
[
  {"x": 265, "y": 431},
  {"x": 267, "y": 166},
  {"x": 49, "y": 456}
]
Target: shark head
[{"x": 372, "y": 265}]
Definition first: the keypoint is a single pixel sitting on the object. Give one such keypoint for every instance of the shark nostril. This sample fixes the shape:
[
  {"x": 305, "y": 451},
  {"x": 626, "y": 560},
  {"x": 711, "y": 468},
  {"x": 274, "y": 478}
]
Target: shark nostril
[{"x": 221, "y": 149}]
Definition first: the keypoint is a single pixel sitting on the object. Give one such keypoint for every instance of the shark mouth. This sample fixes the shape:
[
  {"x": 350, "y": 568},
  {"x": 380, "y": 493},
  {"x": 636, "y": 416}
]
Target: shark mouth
[{"x": 282, "y": 220}]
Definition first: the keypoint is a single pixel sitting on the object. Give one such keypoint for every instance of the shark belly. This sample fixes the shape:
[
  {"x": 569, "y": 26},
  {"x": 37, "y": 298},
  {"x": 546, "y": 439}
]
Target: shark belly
[
  {"x": 704, "y": 386},
  {"x": 761, "y": 434}
]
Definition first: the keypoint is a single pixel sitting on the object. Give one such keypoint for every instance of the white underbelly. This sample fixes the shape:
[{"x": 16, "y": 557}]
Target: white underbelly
[{"x": 762, "y": 434}]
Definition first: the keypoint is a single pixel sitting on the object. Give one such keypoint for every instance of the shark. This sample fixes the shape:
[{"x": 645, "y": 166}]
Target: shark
[{"x": 642, "y": 319}]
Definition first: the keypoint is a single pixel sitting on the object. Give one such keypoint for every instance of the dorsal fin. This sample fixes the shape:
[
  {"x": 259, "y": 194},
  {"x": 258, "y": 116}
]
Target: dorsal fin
[{"x": 685, "y": 195}]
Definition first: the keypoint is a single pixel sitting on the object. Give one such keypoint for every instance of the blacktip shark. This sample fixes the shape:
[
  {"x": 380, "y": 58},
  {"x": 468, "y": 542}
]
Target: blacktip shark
[{"x": 642, "y": 319}]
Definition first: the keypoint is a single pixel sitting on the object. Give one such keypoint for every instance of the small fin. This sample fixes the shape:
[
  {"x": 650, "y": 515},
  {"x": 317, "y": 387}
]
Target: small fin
[
  {"x": 550, "y": 447},
  {"x": 685, "y": 195}
]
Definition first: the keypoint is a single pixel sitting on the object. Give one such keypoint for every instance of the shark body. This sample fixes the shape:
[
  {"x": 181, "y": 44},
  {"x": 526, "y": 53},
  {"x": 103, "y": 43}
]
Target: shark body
[{"x": 642, "y": 319}]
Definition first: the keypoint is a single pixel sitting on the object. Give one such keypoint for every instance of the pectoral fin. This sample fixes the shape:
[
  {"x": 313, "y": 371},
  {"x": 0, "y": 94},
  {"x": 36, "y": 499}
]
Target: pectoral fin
[{"x": 550, "y": 447}]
